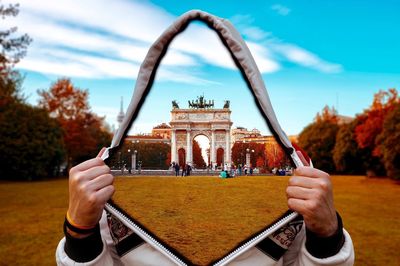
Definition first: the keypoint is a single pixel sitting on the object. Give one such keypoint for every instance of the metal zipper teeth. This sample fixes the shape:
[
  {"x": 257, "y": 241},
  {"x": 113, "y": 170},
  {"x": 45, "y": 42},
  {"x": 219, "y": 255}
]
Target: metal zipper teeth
[
  {"x": 149, "y": 239},
  {"x": 254, "y": 241}
]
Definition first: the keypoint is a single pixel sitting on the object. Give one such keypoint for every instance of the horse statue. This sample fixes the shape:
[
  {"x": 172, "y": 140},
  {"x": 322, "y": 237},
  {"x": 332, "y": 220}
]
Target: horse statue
[
  {"x": 226, "y": 105},
  {"x": 175, "y": 104}
]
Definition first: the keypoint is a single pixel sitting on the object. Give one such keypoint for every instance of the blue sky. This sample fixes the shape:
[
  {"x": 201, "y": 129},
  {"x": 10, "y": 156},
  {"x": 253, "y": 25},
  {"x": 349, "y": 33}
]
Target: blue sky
[{"x": 310, "y": 53}]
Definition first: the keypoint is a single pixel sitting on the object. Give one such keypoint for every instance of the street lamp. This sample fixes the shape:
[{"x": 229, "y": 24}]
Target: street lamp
[
  {"x": 134, "y": 160},
  {"x": 130, "y": 167},
  {"x": 248, "y": 156}
]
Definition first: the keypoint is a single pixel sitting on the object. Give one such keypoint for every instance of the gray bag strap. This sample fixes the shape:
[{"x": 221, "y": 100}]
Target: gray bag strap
[{"x": 240, "y": 54}]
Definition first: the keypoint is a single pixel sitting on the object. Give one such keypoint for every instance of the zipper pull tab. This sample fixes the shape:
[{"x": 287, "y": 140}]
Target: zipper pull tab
[{"x": 105, "y": 154}]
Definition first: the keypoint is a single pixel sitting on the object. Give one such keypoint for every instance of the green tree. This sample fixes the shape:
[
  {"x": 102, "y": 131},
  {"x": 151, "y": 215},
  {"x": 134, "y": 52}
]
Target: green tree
[
  {"x": 12, "y": 49},
  {"x": 10, "y": 89},
  {"x": 318, "y": 139},
  {"x": 30, "y": 142},
  {"x": 151, "y": 155},
  {"x": 348, "y": 157},
  {"x": 390, "y": 143}
]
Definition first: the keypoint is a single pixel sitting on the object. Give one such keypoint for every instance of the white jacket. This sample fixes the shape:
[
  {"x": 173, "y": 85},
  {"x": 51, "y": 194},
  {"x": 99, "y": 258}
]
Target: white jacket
[{"x": 144, "y": 254}]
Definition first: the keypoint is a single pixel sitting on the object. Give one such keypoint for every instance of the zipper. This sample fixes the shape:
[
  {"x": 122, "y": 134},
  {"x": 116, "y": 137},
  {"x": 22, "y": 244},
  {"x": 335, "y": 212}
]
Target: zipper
[
  {"x": 145, "y": 236},
  {"x": 255, "y": 240},
  {"x": 157, "y": 245}
]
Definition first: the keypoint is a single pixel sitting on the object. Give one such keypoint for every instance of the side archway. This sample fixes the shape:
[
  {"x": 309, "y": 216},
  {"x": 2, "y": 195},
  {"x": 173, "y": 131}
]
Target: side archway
[{"x": 220, "y": 157}]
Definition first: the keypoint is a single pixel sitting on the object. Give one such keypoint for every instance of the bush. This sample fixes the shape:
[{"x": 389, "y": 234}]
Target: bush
[{"x": 390, "y": 143}]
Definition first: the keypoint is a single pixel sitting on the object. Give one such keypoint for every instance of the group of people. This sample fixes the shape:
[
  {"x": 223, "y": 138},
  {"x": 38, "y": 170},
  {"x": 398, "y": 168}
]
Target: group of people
[
  {"x": 236, "y": 171},
  {"x": 185, "y": 169}
]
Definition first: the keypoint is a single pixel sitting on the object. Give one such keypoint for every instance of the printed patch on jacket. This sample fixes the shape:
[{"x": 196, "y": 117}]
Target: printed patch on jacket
[
  {"x": 279, "y": 242},
  {"x": 285, "y": 236},
  {"x": 124, "y": 238}
]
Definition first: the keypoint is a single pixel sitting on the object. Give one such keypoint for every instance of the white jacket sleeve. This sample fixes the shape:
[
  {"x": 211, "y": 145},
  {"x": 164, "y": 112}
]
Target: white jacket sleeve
[
  {"x": 108, "y": 256},
  {"x": 298, "y": 255}
]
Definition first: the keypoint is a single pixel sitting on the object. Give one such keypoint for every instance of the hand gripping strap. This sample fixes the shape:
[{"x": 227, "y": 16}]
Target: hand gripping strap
[{"x": 240, "y": 54}]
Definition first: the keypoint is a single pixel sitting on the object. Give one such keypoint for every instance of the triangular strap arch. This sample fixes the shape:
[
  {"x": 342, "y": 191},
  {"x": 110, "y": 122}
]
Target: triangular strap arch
[{"x": 240, "y": 53}]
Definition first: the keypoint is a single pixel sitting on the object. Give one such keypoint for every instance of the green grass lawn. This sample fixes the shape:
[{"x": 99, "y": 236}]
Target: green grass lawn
[{"x": 32, "y": 214}]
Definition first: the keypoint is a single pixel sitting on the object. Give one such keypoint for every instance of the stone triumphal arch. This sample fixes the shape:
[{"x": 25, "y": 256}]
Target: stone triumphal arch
[{"x": 201, "y": 118}]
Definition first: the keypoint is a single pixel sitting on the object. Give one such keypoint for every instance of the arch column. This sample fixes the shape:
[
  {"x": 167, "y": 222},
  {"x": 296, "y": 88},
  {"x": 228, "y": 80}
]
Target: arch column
[
  {"x": 174, "y": 157},
  {"x": 212, "y": 150},
  {"x": 228, "y": 148},
  {"x": 189, "y": 150}
]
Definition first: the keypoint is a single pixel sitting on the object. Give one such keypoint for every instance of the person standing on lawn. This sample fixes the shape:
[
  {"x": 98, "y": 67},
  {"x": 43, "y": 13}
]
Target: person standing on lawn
[
  {"x": 92, "y": 236},
  {"x": 176, "y": 168}
]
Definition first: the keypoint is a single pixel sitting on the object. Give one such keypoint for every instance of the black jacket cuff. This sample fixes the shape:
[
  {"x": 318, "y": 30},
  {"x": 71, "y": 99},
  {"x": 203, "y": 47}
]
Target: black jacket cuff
[
  {"x": 83, "y": 249},
  {"x": 324, "y": 247}
]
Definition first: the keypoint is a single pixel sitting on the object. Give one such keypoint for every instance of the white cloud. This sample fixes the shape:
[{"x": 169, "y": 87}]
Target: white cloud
[
  {"x": 255, "y": 33},
  {"x": 262, "y": 57},
  {"x": 103, "y": 39},
  {"x": 93, "y": 26},
  {"x": 281, "y": 10},
  {"x": 116, "y": 38},
  {"x": 242, "y": 19},
  {"x": 269, "y": 50},
  {"x": 305, "y": 58},
  {"x": 137, "y": 20},
  {"x": 62, "y": 63},
  {"x": 112, "y": 48}
]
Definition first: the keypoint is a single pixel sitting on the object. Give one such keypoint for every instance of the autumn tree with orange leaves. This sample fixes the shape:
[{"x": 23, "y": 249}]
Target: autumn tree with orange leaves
[
  {"x": 84, "y": 132},
  {"x": 370, "y": 126},
  {"x": 239, "y": 153},
  {"x": 275, "y": 155},
  {"x": 371, "y": 121}
]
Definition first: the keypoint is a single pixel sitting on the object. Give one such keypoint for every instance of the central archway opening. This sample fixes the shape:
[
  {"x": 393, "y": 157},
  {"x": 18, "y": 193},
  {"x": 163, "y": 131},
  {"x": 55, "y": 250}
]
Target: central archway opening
[{"x": 201, "y": 151}]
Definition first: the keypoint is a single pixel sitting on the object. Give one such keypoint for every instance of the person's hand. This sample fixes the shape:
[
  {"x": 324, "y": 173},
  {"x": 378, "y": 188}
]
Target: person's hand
[
  {"x": 309, "y": 193},
  {"x": 90, "y": 187}
]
